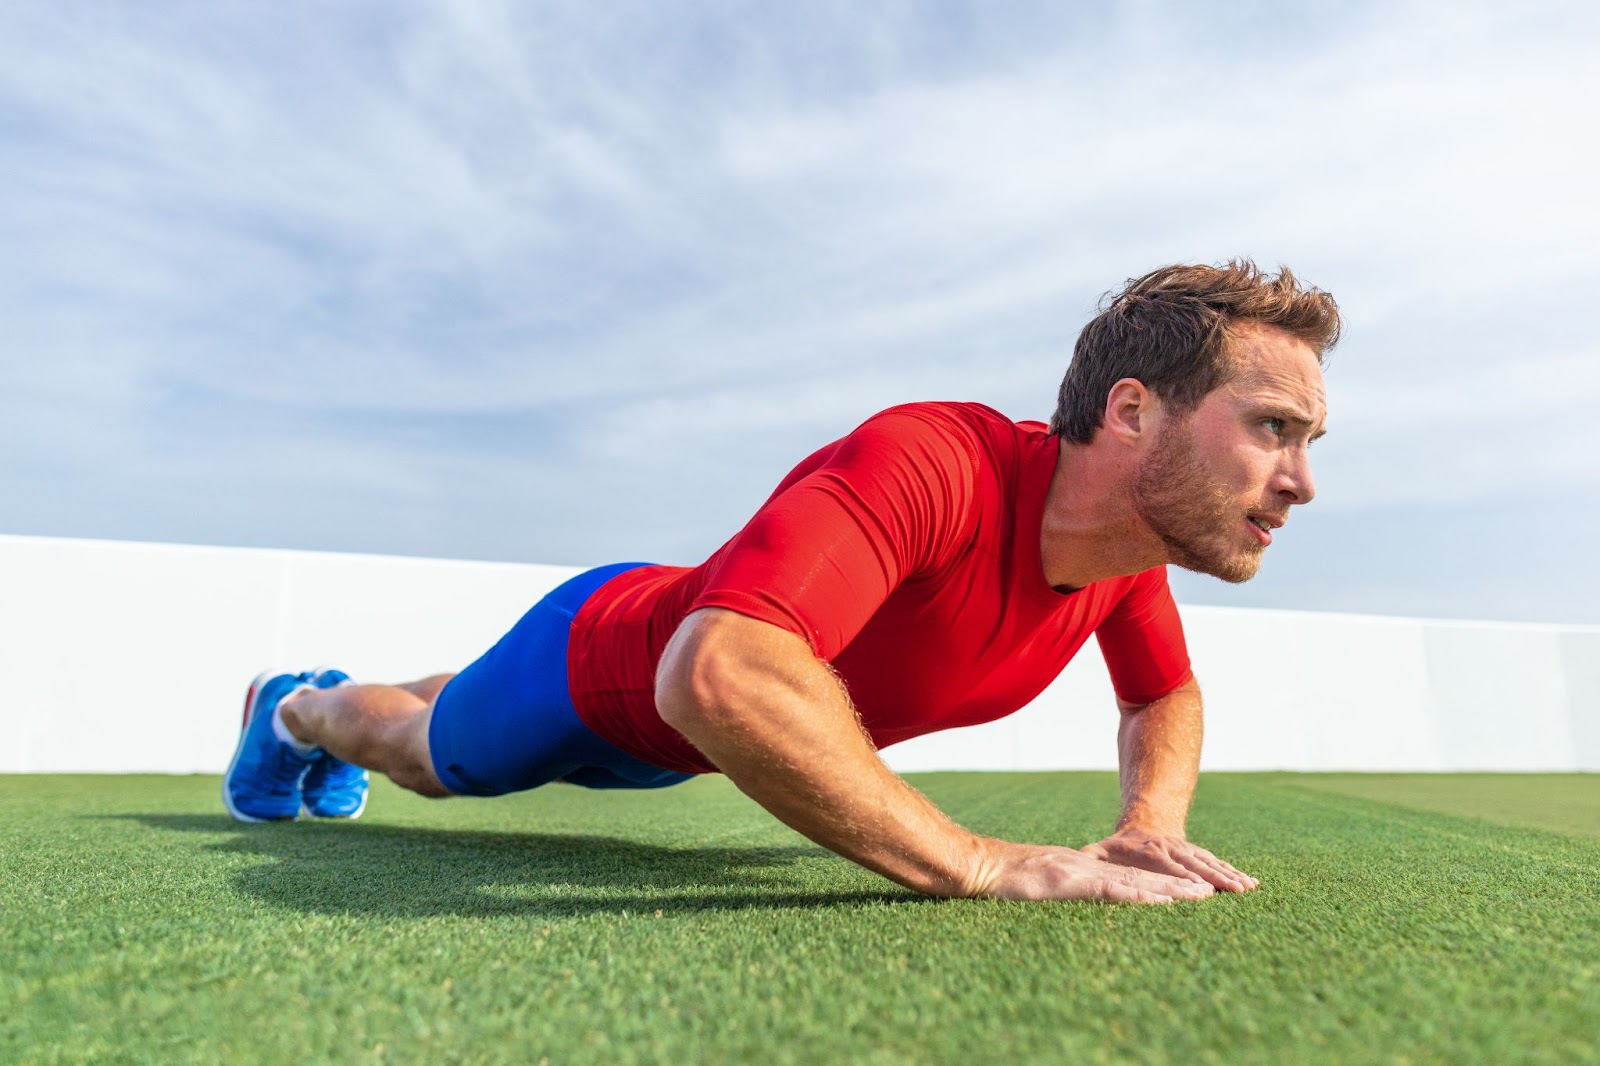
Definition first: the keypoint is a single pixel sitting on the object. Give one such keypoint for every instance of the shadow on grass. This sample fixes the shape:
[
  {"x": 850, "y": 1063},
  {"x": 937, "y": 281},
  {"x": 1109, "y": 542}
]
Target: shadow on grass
[{"x": 398, "y": 871}]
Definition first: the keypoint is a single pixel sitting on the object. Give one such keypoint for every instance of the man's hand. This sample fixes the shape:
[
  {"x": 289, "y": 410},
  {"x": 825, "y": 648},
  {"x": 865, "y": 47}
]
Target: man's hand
[
  {"x": 1170, "y": 855},
  {"x": 1033, "y": 871}
]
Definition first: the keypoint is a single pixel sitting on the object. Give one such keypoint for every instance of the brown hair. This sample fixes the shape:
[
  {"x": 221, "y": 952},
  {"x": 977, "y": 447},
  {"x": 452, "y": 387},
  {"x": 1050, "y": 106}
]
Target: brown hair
[{"x": 1171, "y": 330}]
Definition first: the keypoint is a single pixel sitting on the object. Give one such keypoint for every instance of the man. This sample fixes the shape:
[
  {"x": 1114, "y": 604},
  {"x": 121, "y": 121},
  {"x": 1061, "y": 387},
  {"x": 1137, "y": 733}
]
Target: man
[{"x": 937, "y": 567}]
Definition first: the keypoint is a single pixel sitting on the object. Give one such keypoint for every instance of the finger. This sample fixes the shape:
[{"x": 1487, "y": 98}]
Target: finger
[
  {"x": 1166, "y": 860},
  {"x": 1174, "y": 868},
  {"x": 1225, "y": 876},
  {"x": 1208, "y": 868},
  {"x": 1118, "y": 892},
  {"x": 1231, "y": 871},
  {"x": 1166, "y": 884},
  {"x": 1226, "y": 868},
  {"x": 1214, "y": 870},
  {"x": 1158, "y": 860},
  {"x": 1250, "y": 883}
]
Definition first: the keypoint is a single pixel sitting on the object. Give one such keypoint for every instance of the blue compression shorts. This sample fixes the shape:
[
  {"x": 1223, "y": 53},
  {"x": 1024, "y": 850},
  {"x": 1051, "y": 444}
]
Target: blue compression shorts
[{"x": 506, "y": 723}]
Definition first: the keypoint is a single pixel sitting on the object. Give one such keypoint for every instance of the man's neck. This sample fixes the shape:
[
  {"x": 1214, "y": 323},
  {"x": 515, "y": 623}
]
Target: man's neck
[{"x": 1091, "y": 528}]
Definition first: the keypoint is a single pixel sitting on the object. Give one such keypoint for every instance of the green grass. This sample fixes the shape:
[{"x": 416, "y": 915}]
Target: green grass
[
  {"x": 1401, "y": 919},
  {"x": 1558, "y": 803}
]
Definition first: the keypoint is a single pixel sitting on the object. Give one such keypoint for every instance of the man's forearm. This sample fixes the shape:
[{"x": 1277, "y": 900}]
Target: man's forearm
[
  {"x": 783, "y": 731},
  {"x": 1158, "y": 747}
]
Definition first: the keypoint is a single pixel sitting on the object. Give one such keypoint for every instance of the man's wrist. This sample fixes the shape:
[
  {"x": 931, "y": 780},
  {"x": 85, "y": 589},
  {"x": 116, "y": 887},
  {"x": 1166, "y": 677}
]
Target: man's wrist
[
  {"x": 980, "y": 864},
  {"x": 1148, "y": 826}
]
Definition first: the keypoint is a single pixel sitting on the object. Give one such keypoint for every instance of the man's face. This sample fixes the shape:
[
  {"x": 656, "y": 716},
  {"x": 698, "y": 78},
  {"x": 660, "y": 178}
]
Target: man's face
[{"x": 1214, "y": 476}]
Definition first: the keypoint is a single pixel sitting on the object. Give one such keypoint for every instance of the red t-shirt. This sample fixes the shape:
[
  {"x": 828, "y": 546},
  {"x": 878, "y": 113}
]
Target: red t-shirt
[{"x": 907, "y": 555}]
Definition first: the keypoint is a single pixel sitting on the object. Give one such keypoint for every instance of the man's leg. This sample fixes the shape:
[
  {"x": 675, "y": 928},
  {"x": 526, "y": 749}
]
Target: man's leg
[
  {"x": 381, "y": 727},
  {"x": 504, "y": 724}
]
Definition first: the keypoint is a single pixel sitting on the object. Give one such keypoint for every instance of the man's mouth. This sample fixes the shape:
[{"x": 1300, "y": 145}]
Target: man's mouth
[{"x": 1262, "y": 527}]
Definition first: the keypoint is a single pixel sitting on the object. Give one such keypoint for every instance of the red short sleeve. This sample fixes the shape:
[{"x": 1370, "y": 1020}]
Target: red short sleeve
[
  {"x": 1142, "y": 641},
  {"x": 893, "y": 499}
]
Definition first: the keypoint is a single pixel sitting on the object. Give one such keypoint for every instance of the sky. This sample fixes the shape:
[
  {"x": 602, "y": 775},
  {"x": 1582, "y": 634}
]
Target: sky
[{"x": 575, "y": 283}]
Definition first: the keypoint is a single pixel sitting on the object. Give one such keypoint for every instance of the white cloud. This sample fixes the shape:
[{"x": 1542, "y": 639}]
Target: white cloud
[{"x": 572, "y": 223}]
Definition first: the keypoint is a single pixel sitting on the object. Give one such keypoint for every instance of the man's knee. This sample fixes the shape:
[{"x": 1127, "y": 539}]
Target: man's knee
[
  {"x": 428, "y": 688},
  {"x": 424, "y": 782},
  {"x": 412, "y": 765}
]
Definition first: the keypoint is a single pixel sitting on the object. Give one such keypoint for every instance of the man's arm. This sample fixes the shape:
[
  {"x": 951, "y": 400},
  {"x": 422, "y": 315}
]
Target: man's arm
[
  {"x": 1158, "y": 748},
  {"x": 779, "y": 724}
]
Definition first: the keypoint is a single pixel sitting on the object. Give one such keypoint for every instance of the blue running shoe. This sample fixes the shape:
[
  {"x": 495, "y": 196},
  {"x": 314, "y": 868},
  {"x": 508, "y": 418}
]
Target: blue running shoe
[
  {"x": 334, "y": 788},
  {"x": 263, "y": 780}
]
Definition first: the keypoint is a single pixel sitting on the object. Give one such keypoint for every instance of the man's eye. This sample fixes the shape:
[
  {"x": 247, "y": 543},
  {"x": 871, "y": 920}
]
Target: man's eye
[{"x": 1274, "y": 425}]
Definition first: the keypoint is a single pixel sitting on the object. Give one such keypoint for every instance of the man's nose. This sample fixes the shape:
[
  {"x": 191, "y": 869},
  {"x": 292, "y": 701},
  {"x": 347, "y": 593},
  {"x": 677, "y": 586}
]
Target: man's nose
[{"x": 1296, "y": 484}]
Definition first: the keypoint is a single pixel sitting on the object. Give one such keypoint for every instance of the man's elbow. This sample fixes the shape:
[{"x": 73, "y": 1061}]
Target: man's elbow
[
  {"x": 695, "y": 676},
  {"x": 685, "y": 691}
]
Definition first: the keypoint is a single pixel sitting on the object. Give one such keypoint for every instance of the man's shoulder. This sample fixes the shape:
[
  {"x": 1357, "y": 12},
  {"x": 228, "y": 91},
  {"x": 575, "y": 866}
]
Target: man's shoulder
[
  {"x": 969, "y": 412},
  {"x": 971, "y": 421}
]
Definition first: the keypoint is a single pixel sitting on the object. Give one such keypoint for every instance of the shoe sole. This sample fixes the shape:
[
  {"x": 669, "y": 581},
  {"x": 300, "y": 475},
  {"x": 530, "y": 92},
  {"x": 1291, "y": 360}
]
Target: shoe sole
[{"x": 251, "y": 699}]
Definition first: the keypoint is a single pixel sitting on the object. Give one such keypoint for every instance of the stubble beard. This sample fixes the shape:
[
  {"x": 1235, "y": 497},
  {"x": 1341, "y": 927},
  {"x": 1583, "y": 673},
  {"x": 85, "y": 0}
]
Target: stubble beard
[{"x": 1192, "y": 512}]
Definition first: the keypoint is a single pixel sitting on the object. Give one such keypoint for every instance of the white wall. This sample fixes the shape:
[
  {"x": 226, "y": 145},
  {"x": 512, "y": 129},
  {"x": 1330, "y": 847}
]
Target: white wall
[
  {"x": 1295, "y": 690},
  {"x": 122, "y": 657},
  {"x": 134, "y": 657}
]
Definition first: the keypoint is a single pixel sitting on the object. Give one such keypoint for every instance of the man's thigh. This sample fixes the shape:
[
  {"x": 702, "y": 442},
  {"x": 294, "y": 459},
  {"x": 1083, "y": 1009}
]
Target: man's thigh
[{"x": 506, "y": 723}]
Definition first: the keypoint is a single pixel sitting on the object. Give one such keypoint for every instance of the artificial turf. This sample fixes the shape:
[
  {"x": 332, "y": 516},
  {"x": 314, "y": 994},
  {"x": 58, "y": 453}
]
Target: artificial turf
[{"x": 1398, "y": 922}]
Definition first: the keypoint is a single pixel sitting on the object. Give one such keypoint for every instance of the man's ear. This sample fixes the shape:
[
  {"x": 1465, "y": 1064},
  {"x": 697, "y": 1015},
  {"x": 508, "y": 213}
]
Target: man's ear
[{"x": 1129, "y": 407}]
